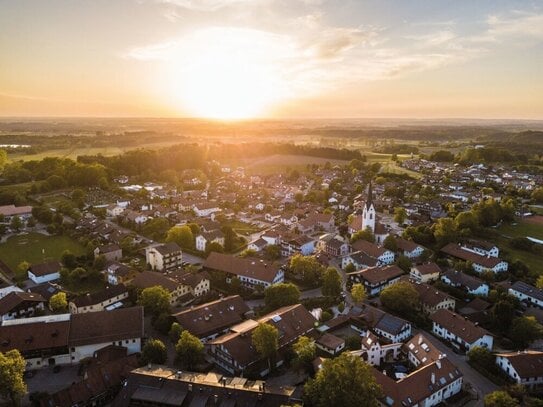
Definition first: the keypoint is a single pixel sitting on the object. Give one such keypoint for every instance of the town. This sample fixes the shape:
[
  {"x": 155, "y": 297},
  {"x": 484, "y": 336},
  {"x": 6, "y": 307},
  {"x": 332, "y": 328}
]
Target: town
[{"x": 339, "y": 282}]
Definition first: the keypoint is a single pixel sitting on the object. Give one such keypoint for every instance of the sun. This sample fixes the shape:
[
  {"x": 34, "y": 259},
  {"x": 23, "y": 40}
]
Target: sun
[{"x": 228, "y": 74}]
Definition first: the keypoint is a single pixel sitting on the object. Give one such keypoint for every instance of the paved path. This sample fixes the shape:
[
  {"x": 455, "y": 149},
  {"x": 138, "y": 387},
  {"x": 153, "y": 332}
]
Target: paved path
[{"x": 480, "y": 383}]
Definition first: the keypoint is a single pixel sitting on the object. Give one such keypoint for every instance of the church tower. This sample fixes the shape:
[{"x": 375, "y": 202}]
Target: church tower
[{"x": 368, "y": 213}]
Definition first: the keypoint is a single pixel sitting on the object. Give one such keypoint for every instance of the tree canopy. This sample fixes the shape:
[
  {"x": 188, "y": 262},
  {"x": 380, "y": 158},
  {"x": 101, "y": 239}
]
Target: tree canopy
[
  {"x": 154, "y": 351},
  {"x": 189, "y": 350},
  {"x": 401, "y": 298},
  {"x": 331, "y": 283},
  {"x": 155, "y": 299},
  {"x": 58, "y": 302},
  {"x": 265, "y": 339},
  {"x": 182, "y": 235},
  {"x": 279, "y": 295},
  {"x": 12, "y": 368}
]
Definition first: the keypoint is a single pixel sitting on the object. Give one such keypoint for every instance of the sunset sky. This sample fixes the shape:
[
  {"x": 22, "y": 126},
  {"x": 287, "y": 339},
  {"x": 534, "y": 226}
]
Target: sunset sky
[{"x": 263, "y": 58}]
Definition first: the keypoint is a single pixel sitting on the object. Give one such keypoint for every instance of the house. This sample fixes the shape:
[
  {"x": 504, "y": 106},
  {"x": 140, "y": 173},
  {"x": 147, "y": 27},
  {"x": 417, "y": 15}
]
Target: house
[
  {"x": 46, "y": 290},
  {"x": 359, "y": 260},
  {"x": 482, "y": 248},
  {"x": 425, "y": 273},
  {"x": 164, "y": 257},
  {"x": 433, "y": 299},
  {"x": 409, "y": 248},
  {"x": 251, "y": 272},
  {"x": 459, "y": 331},
  {"x": 105, "y": 300},
  {"x": 336, "y": 247},
  {"x": 479, "y": 262},
  {"x": 375, "y": 279},
  {"x": 373, "y": 352},
  {"x": 382, "y": 255},
  {"x": 160, "y": 386},
  {"x": 527, "y": 293},
  {"x": 67, "y": 339},
  {"x": 428, "y": 386},
  {"x": 20, "y": 305},
  {"x": 111, "y": 252},
  {"x": 316, "y": 222},
  {"x": 9, "y": 289},
  {"x": 203, "y": 239},
  {"x": 297, "y": 244},
  {"x": 234, "y": 351},
  {"x": 258, "y": 245},
  {"x": 205, "y": 209},
  {"x": 183, "y": 288},
  {"x": 272, "y": 237},
  {"x": 524, "y": 368},
  {"x": 118, "y": 273},
  {"x": 330, "y": 344},
  {"x": 420, "y": 351},
  {"x": 44, "y": 272},
  {"x": 11, "y": 211},
  {"x": 383, "y": 324},
  {"x": 114, "y": 210},
  {"x": 472, "y": 285},
  {"x": 209, "y": 320}
]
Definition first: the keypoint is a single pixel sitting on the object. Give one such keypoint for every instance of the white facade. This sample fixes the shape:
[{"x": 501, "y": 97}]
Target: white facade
[
  {"x": 485, "y": 341},
  {"x": 45, "y": 278},
  {"x": 368, "y": 218},
  {"x": 505, "y": 364},
  {"x": 78, "y": 353}
]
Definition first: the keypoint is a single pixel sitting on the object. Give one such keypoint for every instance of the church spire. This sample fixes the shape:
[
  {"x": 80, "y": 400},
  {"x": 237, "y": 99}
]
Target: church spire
[{"x": 369, "y": 201}]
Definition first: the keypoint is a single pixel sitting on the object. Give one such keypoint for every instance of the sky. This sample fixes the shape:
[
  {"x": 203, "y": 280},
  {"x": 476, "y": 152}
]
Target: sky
[{"x": 231, "y": 59}]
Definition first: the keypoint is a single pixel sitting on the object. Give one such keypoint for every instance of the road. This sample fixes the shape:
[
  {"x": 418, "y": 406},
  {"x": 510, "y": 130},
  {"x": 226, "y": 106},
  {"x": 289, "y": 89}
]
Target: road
[
  {"x": 479, "y": 383},
  {"x": 316, "y": 292}
]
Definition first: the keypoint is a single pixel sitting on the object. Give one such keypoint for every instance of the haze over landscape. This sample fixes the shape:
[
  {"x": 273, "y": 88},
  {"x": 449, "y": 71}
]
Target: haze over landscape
[{"x": 235, "y": 59}]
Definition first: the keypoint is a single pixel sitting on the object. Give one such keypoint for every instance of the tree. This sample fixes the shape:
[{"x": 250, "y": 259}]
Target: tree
[
  {"x": 248, "y": 253},
  {"x": 445, "y": 231},
  {"x": 3, "y": 159},
  {"x": 390, "y": 243},
  {"x": 154, "y": 351},
  {"x": 22, "y": 269},
  {"x": 525, "y": 330},
  {"x": 307, "y": 267},
  {"x": 229, "y": 238},
  {"x": 213, "y": 247},
  {"x": 12, "y": 368},
  {"x": 331, "y": 283},
  {"x": 175, "y": 332},
  {"x": 155, "y": 300},
  {"x": 466, "y": 223},
  {"x": 401, "y": 297},
  {"x": 503, "y": 314},
  {"x": 482, "y": 357},
  {"x": 15, "y": 223},
  {"x": 68, "y": 259},
  {"x": 500, "y": 398},
  {"x": 99, "y": 262},
  {"x": 305, "y": 350},
  {"x": 265, "y": 339},
  {"x": 400, "y": 215},
  {"x": 189, "y": 350},
  {"x": 358, "y": 292},
  {"x": 279, "y": 295},
  {"x": 78, "y": 196},
  {"x": 345, "y": 381},
  {"x": 537, "y": 195},
  {"x": 155, "y": 228},
  {"x": 404, "y": 263},
  {"x": 539, "y": 282},
  {"x": 58, "y": 302},
  {"x": 350, "y": 268},
  {"x": 272, "y": 252},
  {"x": 182, "y": 235},
  {"x": 365, "y": 234}
]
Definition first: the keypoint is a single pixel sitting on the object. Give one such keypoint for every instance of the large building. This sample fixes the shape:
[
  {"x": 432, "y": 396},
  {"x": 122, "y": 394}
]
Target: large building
[
  {"x": 67, "y": 339},
  {"x": 524, "y": 368},
  {"x": 460, "y": 332},
  {"x": 164, "y": 257}
]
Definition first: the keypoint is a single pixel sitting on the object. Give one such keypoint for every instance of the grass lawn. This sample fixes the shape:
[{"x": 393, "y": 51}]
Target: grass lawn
[
  {"x": 36, "y": 248},
  {"x": 241, "y": 227},
  {"x": 522, "y": 229}
]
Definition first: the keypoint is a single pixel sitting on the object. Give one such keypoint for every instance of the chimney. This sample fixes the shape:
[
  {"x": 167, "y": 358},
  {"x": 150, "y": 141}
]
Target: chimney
[
  {"x": 438, "y": 363},
  {"x": 420, "y": 339},
  {"x": 433, "y": 378}
]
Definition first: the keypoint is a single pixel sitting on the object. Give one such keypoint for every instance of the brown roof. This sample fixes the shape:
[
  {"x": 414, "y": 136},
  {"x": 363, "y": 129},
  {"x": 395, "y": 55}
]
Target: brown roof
[
  {"x": 463, "y": 279},
  {"x": 190, "y": 279},
  {"x": 371, "y": 249},
  {"x": 376, "y": 275},
  {"x": 330, "y": 341},
  {"x": 109, "y": 248},
  {"x": 35, "y": 334},
  {"x": 291, "y": 322},
  {"x": 106, "y": 326},
  {"x": 168, "y": 248},
  {"x": 251, "y": 268},
  {"x": 428, "y": 268},
  {"x": 422, "y": 349},
  {"x": 458, "y": 325},
  {"x": 406, "y": 245},
  {"x": 43, "y": 269},
  {"x": 527, "y": 364},
  {"x": 12, "y": 210},
  {"x": 429, "y": 295},
  {"x": 147, "y": 279},
  {"x": 455, "y": 250},
  {"x": 213, "y": 317},
  {"x": 16, "y": 298},
  {"x": 417, "y": 386},
  {"x": 96, "y": 298}
]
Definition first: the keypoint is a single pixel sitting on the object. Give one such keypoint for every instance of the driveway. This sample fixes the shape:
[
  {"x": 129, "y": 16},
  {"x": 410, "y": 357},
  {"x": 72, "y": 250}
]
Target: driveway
[{"x": 479, "y": 383}]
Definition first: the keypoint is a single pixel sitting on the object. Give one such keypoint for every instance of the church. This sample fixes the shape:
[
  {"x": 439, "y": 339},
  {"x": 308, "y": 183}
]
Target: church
[{"x": 369, "y": 219}]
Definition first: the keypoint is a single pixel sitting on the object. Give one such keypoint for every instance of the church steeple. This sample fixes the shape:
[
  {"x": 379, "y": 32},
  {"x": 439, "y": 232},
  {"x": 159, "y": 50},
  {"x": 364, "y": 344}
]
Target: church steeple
[{"x": 369, "y": 201}]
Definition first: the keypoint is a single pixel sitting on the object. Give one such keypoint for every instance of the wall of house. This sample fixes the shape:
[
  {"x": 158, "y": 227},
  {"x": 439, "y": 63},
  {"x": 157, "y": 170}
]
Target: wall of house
[{"x": 43, "y": 279}]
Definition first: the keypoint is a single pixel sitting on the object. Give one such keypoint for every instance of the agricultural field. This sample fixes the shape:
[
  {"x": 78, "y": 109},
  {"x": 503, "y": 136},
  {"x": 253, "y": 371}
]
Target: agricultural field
[
  {"x": 529, "y": 227},
  {"x": 36, "y": 248}
]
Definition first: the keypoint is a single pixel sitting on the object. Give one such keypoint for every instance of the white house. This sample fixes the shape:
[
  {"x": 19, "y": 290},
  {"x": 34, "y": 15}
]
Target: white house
[
  {"x": 203, "y": 239},
  {"x": 425, "y": 273},
  {"x": 460, "y": 332},
  {"x": 409, "y": 248},
  {"x": 374, "y": 353},
  {"x": 205, "y": 209},
  {"x": 525, "y": 367},
  {"x": 479, "y": 262},
  {"x": 44, "y": 272},
  {"x": 164, "y": 257},
  {"x": 527, "y": 293},
  {"x": 470, "y": 284}
]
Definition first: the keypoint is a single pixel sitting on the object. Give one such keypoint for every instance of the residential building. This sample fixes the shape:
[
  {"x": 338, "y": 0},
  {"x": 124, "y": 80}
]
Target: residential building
[
  {"x": 375, "y": 279},
  {"x": 383, "y": 324},
  {"x": 234, "y": 352},
  {"x": 459, "y": 331},
  {"x": 425, "y": 273},
  {"x": 164, "y": 257},
  {"x": 44, "y": 272},
  {"x": 118, "y": 273},
  {"x": 420, "y": 351},
  {"x": 382, "y": 255},
  {"x": 204, "y": 238},
  {"x": 10, "y": 211},
  {"x": 297, "y": 244},
  {"x": 106, "y": 300},
  {"x": 330, "y": 344},
  {"x": 472, "y": 285},
  {"x": 524, "y": 368},
  {"x": 527, "y": 293},
  {"x": 479, "y": 262},
  {"x": 373, "y": 352},
  {"x": 111, "y": 252},
  {"x": 205, "y": 209},
  {"x": 251, "y": 272},
  {"x": 209, "y": 320},
  {"x": 409, "y": 248},
  {"x": 433, "y": 299},
  {"x": 20, "y": 305},
  {"x": 482, "y": 248}
]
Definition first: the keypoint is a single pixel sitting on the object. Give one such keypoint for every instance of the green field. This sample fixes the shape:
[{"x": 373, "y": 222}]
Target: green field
[
  {"x": 36, "y": 248},
  {"x": 522, "y": 229}
]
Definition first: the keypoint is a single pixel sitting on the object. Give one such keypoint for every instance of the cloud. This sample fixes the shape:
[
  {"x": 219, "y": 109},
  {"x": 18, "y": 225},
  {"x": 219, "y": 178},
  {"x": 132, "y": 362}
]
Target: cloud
[
  {"x": 335, "y": 41},
  {"x": 520, "y": 25},
  {"x": 207, "y": 5}
]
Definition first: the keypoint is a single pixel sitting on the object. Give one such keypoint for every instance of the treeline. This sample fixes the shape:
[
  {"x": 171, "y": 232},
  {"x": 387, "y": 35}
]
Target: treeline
[{"x": 398, "y": 149}]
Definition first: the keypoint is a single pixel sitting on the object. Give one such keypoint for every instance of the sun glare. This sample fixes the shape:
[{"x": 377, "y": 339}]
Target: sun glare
[{"x": 228, "y": 74}]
